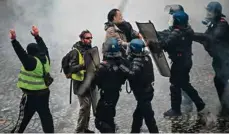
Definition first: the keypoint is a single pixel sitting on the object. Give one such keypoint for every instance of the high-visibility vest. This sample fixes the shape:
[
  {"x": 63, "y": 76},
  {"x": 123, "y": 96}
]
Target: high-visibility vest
[
  {"x": 79, "y": 76},
  {"x": 33, "y": 80}
]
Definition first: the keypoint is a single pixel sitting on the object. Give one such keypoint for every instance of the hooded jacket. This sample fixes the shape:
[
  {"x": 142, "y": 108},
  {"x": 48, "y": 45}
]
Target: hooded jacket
[{"x": 27, "y": 59}]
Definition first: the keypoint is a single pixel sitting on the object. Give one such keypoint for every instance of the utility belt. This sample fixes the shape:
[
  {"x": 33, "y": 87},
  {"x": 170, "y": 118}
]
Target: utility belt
[
  {"x": 179, "y": 56},
  {"x": 142, "y": 86}
]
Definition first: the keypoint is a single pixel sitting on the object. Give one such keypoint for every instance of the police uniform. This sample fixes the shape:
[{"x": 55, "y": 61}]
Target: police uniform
[
  {"x": 216, "y": 42},
  {"x": 141, "y": 76},
  {"x": 177, "y": 42},
  {"x": 109, "y": 79}
]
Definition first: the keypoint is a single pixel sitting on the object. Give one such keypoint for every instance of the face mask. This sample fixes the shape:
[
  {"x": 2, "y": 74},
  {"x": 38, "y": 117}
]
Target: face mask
[
  {"x": 171, "y": 21},
  {"x": 208, "y": 20}
]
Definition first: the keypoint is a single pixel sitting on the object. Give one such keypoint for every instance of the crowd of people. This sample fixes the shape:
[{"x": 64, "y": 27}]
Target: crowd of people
[{"x": 124, "y": 59}]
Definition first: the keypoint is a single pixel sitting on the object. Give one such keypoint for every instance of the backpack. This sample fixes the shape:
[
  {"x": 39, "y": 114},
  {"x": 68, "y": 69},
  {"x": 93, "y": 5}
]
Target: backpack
[{"x": 65, "y": 63}]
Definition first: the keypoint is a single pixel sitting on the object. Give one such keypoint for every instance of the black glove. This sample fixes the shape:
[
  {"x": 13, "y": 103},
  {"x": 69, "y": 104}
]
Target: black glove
[{"x": 154, "y": 46}]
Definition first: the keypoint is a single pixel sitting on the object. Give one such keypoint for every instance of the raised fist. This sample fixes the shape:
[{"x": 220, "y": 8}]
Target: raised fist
[
  {"x": 12, "y": 34},
  {"x": 35, "y": 31}
]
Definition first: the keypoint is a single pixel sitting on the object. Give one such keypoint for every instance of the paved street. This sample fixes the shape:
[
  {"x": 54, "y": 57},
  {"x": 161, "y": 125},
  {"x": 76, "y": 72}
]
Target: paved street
[{"x": 60, "y": 22}]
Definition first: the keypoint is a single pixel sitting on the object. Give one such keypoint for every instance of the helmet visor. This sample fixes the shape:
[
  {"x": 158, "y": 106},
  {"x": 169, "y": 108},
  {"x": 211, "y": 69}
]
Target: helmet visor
[{"x": 170, "y": 9}]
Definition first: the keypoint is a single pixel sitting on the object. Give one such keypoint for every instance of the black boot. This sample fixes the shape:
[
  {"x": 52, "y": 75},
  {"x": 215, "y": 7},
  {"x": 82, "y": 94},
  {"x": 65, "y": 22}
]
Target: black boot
[
  {"x": 172, "y": 113},
  {"x": 88, "y": 131},
  {"x": 200, "y": 106},
  {"x": 175, "y": 102}
]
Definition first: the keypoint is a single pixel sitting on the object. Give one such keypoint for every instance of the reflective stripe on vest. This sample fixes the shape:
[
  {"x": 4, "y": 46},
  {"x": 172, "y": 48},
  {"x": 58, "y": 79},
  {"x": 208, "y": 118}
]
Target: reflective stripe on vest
[
  {"x": 80, "y": 75},
  {"x": 33, "y": 80}
]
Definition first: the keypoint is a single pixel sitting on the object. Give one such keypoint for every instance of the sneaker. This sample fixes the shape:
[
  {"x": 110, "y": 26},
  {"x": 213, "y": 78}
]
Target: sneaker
[{"x": 172, "y": 113}]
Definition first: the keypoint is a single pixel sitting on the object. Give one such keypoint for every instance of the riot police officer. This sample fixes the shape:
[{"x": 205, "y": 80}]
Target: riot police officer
[
  {"x": 186, "y": 100},
  {"x": 141, "y": 76},
  {"x": 177, "y": 41},
  {"x": 216, "y": 42},
  {"x": 109, "y": 79}
]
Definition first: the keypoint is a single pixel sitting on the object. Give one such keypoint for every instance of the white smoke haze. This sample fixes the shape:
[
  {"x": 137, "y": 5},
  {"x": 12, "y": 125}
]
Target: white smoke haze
[{"x": 61, "y": 21}]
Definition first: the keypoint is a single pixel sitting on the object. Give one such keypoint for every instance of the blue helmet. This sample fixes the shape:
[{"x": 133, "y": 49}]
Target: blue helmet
[
  {"x": 180, "y": 18},
  {"x": 136, "y": 46},
  {"x": 111, "y": 48},
  {"x": 216, "y": 8}
]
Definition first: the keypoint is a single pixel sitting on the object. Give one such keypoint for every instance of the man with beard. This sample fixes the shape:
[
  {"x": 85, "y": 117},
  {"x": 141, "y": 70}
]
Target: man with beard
[
  {"x": 216, "y": 42},
  {"x": 120, "y": 29},
  {"x": 76, "y": 71},
  {"x": 109, "y": 79},
  {"x": 177, "y": 42},
  {"x": 36, "y": 93}
]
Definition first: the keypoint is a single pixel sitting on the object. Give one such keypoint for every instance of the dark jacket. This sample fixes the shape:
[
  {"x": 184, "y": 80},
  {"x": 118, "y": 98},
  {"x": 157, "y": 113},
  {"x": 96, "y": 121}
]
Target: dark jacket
[
  {"x": 74, "y": 57},
  {"x": 28, "y": 61},
  {"x": 74, "y": 66},
  {"x": 140, "y": 75},
  {"x": 216, "y": 42},
  {"x": 177, "y": 42},
  {"x": 109, "y": 79}
]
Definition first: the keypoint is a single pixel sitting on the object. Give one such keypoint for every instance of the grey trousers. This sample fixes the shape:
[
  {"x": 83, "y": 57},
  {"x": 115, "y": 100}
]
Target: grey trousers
[{"x": 84, "y": 113}]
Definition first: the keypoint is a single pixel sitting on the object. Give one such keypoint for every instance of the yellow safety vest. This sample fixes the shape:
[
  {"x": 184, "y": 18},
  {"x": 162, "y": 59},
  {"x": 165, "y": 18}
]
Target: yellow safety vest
[
  {"x": 33, "y": 80},
  {"x": 80, "y": 75}
]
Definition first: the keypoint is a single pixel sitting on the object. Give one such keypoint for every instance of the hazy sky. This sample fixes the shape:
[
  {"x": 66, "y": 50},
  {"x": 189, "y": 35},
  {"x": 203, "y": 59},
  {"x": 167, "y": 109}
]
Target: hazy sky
[{"x": 61, "y": 21}]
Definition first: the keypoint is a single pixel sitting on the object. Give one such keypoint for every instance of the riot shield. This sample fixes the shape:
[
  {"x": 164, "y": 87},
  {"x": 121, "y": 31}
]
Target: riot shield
[
  {"x": 95, "y": 96},
  {"x": 92, "y": 62},
  {"x": 149, "y": 34}
]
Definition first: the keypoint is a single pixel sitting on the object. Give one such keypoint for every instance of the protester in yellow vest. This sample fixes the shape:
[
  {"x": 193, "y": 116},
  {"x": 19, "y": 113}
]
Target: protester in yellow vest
[
  {"x": 35, "y": 96},
  {"x": 74, "y": 68}
]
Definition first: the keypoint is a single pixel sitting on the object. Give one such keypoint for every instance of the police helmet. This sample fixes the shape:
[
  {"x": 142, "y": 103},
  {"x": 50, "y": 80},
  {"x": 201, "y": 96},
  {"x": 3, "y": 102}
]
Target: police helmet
[
  {"x": 137, "y": 46},
  {"x": 180, "y": 18},
  {"x": 215, "y": 8},
  {"x": 111, "y": 48}
]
